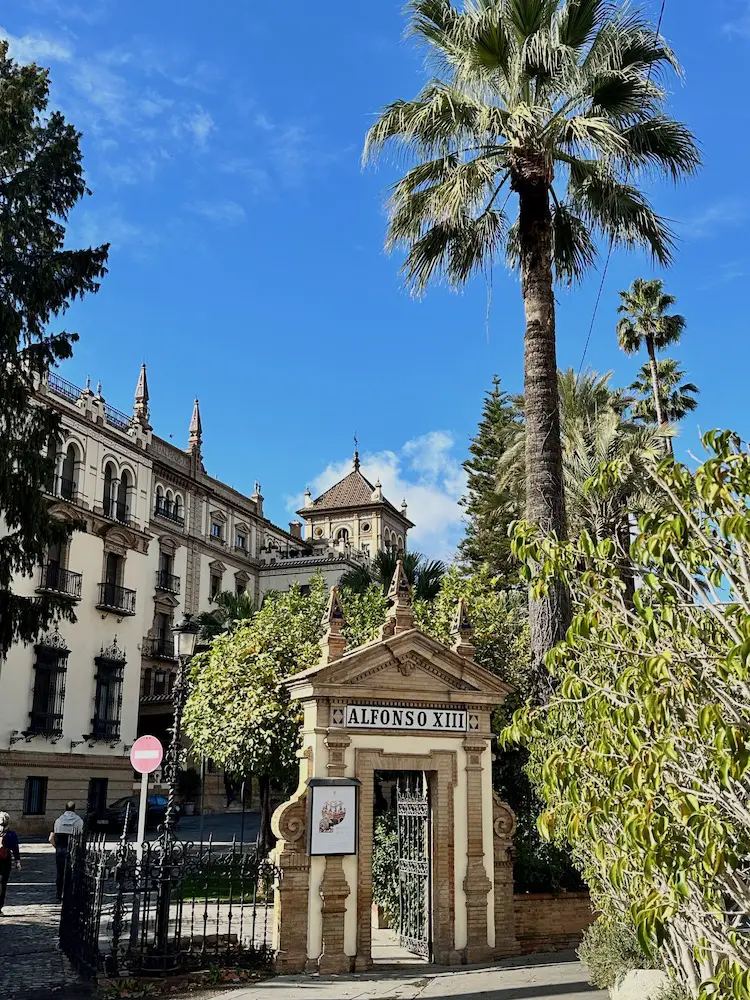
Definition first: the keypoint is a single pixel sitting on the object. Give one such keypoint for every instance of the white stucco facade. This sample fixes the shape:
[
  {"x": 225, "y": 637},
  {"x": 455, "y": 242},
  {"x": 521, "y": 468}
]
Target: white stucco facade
[{"x": 161, "y": 537}]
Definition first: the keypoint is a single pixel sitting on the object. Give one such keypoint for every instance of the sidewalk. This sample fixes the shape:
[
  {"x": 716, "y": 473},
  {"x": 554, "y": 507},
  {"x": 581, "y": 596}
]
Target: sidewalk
[{"x": 536, "y": 977}]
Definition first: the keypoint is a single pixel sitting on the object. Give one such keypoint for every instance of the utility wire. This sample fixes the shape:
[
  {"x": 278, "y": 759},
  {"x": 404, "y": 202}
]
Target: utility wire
[{"x": 611, "y": 242}]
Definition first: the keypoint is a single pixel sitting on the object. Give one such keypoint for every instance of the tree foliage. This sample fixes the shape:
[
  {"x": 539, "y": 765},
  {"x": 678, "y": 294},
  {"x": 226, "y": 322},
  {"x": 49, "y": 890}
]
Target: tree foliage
[
  {"x": 646, "y": 322},
  {"x": 230, "y": 610},
  {"x": 556, "y": 108},
  {"x": 492, "y": 504},
  {"x": 676, "y": 398},
  {"x": 643, "y": 753},
  {"x": 423, "y": 574},
  {"x": 41, "y": 180}
]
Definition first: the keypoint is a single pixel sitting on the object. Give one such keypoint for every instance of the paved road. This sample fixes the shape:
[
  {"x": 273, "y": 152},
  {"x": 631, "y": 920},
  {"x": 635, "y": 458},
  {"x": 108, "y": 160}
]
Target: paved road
[
  {"x": 31, "y": 966},
  {"x": 537, "y": 977}
]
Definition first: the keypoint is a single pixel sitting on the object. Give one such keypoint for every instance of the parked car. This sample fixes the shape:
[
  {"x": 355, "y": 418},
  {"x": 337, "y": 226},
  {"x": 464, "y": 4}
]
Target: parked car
[{"x": 113, "y": 816}]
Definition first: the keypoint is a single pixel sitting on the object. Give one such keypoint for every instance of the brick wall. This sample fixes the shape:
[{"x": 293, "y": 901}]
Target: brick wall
[{"x": 551, "y": 923}]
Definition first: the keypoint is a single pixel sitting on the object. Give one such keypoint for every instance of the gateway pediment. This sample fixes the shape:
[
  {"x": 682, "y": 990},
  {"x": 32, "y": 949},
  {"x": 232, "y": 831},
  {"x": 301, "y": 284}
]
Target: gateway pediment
[{"x": 409, "y": 667}]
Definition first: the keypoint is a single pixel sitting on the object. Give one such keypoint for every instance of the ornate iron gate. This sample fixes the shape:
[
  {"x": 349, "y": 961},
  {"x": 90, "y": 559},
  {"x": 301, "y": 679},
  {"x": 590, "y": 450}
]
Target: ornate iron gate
[{"x": 414, "y": 850}]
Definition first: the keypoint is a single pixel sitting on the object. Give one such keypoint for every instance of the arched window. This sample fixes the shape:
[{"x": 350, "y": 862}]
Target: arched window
[
  {"x": 342, "y": 535},
  {"x": 178, "y": 505},
  {"x": 51, "y": 482},
  {"x": 109, "y": 489},
  {"x": 169, "y": 497},
  {"x": 387, "y": 538},
  {"x": 123, "y": 496},
  {"x": 401, "y": 543},
  {"x": 68, "y": 477}
]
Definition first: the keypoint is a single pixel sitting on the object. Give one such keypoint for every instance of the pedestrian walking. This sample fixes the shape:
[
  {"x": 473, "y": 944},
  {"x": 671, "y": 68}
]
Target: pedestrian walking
[
  {"x": 67, "y": 825},
  {"x": 9, "y": 854}
]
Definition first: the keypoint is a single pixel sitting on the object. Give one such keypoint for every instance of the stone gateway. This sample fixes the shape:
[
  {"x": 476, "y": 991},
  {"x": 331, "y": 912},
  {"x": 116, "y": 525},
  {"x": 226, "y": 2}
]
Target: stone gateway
[{"x": 410, "y": 707}]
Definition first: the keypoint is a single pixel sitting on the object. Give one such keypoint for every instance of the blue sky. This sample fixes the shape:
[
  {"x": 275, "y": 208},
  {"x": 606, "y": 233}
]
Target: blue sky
[{"x": 222, "y": 145}]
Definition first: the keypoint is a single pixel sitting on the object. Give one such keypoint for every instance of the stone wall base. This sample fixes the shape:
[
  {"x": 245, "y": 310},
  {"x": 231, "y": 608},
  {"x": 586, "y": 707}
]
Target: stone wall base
[
  {"x": 67, "y": 778},
  {"x": 545, "y": 922}
]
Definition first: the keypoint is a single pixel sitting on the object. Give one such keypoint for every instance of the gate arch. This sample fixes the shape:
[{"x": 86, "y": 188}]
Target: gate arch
[{"x": 405, "y": 702}]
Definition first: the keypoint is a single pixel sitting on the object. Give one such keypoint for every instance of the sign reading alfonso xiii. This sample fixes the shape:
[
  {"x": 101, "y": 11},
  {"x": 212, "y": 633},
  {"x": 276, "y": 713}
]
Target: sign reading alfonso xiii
[{"x": 404, "y": 717}]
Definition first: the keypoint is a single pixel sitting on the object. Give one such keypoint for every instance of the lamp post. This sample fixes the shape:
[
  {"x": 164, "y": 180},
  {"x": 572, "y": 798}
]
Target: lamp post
[{"x": 185, "y": 635}]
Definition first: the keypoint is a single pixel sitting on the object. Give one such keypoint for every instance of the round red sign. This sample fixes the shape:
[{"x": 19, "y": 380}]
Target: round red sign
[{"x": 146, "y": 754}]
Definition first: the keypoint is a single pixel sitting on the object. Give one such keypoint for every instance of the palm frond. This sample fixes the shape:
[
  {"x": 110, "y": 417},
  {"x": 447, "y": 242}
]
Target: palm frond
[
  {"x": 454, "y": 251},
  {"x": 664, "y": 144},
  {"x": 621, "y": 212},
  {"x": 573, "y": 250}
]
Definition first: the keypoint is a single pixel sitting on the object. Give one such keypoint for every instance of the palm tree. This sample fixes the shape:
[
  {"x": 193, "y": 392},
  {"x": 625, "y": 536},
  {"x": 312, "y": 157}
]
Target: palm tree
[
  {"x": 675, "y": 397},
  {"x": 646, "y": 322},
  {"x": 424, "y": 575},
  {"x": 230, "y": 610},
  {"x": 558, "y": 103},
  {"x": 595, "y": 429}
]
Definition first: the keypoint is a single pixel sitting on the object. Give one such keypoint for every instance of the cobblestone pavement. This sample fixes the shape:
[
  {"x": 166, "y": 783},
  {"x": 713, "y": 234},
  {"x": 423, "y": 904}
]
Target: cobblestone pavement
[{"x": 31, "y": 966}]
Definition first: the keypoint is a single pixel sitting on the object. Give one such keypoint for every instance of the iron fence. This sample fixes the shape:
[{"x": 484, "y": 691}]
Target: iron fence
[{"x": 169, "y": 908}]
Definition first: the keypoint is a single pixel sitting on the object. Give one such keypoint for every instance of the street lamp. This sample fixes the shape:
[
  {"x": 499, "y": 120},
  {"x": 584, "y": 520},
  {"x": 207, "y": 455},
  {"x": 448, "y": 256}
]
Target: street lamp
[{"x": 185, "y": 637}]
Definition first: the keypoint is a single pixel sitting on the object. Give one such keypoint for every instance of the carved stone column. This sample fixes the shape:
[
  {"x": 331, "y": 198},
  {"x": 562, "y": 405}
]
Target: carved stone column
[
  {"x": 291, "y": 895},
  {"x": 334, "y": 888},
  {"x": 476, "y": 884},
  {"x": 504, "y": 827}
]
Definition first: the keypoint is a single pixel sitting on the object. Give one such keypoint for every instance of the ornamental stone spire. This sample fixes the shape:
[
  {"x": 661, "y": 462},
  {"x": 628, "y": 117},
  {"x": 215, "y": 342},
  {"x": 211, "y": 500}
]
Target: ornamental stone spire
[
  {"x": 333, "y": 643},
  {"x": 400, "y": 616},
  {"x": 462, "y": 632},
  {"x": 140, "y": 410},
  {"x": 196, "y": 429}
]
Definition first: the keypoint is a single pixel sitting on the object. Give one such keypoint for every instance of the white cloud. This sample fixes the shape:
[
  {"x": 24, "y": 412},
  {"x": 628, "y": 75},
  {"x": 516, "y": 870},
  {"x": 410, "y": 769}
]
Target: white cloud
[
  {"x": 224, "y": 212},
  {"x": 198, "y": 124},
  {"x": 110, "y": 226},
  {"x": 37, "y": 48},
  {"x": 713, "y": 218},
  {"x": 740, "y": 24},
  {"x": 427, "y": 473}
]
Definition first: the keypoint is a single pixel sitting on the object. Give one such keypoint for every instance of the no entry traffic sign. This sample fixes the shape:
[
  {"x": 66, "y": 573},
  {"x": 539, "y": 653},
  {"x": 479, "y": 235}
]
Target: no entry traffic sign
[{"x": 146, "y": 754}]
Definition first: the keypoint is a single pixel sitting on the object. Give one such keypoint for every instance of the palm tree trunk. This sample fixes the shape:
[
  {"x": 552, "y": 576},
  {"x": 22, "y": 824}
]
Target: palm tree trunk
[
  {"x": 661, "y": 418},
  {"x": 549, "y": 616}
]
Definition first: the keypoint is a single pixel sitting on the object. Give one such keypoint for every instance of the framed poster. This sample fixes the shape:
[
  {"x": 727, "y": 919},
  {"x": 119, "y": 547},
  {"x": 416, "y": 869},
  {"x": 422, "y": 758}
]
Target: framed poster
[{"x": 332, "y": 815}]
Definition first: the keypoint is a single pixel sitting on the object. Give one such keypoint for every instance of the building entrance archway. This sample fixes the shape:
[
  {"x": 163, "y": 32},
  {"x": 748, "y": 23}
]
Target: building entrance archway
[{"x": 405, "y": 703}]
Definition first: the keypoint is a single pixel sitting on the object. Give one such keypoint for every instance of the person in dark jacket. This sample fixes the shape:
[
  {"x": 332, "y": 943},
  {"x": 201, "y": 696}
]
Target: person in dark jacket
[
  {"x": 67, "y": 825},
  {"x": 9, "y": 853}
]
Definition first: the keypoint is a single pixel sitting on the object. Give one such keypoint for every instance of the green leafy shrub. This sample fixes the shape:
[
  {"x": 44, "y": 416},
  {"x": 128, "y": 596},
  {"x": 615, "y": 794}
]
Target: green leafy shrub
[
  {"x": 385, "y": 879},
  {"x": 610, "y": 949}
]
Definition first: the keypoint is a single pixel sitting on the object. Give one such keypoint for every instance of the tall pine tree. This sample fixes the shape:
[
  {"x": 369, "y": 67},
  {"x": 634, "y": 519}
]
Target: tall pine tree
[
  {"x": 41, "y": 179},
  {"x": 493, "y": 501}
]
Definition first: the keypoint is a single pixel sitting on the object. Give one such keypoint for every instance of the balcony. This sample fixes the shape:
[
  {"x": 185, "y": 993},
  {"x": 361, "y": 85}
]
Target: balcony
[
  {"x": 117, "y": 599},
  {"x": 46, "y": 724},
  {"x": 117, "y": 510},
  {"x": 56, "y": 580},
  {"x": 157, "y": 686},
  {"x": 169, "y": 510},
  {"x": 158, "y": 649},
  {"x": 106, "y": 730},
  {"x": 60, "y": 486},
  {"x": 167, "y": 582}
]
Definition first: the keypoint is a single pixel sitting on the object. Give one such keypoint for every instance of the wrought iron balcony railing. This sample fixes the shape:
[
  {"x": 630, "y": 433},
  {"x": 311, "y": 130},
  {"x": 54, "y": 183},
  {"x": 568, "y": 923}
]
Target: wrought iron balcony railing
[
  {"x": 54, "y": 579},
  {"x": 167, "y": 581},
  {"x": 114, "y": 598},
  {"x": 169, "y": 510},
  {"x": 117, "y": 510},
  {"x": 158, "y": 648},
  {"x": 106, "y": 730},
  {"x": 46, "y": 723}
]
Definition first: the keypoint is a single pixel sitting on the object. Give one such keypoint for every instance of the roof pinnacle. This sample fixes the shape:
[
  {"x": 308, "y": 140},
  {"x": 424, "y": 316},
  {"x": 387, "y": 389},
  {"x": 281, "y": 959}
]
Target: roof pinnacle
[
  {"x": 196, "y": 429},
  {"x": 140, "y": 410}
]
